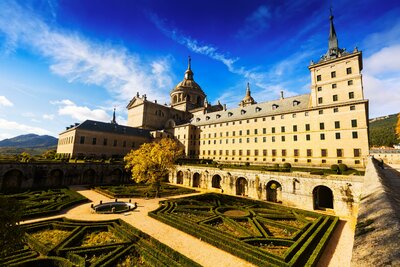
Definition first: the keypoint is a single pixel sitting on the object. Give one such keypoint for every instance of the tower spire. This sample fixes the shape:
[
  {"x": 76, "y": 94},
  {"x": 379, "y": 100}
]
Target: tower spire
[
  {"x": 333, "y": 48},
  {"x": 189, "y": 62},
  {"x": 248, "y": 93},
  {"x": 189, "y": 72},
  {"x": 113, "y": 119}
]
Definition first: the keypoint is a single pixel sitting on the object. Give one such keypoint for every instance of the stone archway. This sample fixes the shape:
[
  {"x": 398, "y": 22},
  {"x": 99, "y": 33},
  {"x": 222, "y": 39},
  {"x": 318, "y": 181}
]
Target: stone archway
[
  {"x": 12, "y": 180},
  {"x": 196, "y": 180},
  {"x": 216, "y": 181},
  {"x": 322, "y": 198},
  {"x": 179, "y": 177},
  {"x": 241, "y": 186},
  {"x": 116, "y": 176},
  {"x": 274, "y": 191},
  {"x": 55, "y": 177},
  {"x": 89, "y": 177}
]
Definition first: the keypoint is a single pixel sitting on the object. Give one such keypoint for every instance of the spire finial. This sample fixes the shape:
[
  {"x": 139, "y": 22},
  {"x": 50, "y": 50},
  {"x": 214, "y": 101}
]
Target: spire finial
[
  {"x": 189, "y": 72},
  {"x": 189, "y": 62},
  {"x": 248, "y": 89},
  {"x": 113, "y": 119}
]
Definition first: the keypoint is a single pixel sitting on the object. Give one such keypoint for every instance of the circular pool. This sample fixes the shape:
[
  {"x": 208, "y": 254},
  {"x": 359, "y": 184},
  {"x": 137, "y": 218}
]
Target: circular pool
[{"x": 114, "y": 207}]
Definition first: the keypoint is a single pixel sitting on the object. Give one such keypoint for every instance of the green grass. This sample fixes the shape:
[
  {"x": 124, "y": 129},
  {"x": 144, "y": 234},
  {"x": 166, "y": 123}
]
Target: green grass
[
  {"x": 142, "y": 190},
  {"x": 382, "y": 132}
]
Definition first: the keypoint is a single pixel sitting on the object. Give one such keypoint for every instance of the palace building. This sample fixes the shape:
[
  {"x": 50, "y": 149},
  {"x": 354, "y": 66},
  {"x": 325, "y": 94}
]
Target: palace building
[{"x": 327, "y": 126}]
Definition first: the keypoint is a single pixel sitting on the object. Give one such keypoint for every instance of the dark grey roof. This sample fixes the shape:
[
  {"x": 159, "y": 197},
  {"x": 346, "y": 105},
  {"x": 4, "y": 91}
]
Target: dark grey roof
[{"x": 105, "y": 127}]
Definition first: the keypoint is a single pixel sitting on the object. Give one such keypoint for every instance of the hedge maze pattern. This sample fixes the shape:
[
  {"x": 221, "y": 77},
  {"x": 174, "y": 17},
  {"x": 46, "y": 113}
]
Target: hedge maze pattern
[
  {"x": 64, "y": 242},
  {"x": 141, "y": 190},
  {"x": 264, "y": 234},
  {"x": 46, "y": 202}
]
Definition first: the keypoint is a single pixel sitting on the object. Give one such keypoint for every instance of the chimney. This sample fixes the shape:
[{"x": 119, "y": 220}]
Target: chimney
[
  {"x": 155, "y": 101},
  {"x": 282, "y": 95},
  {"x": 224, "y": 106}
]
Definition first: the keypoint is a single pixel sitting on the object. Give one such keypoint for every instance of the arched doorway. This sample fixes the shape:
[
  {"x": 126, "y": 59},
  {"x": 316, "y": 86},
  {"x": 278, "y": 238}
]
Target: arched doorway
[
  {"x": 274, "y": 191},
  {"x": 179, "y": 177},
  {"x": 216, "y": 181},
  {"x": 322, "y": 197},
  {"x": 115, "y": 176},
  {"x": 55, "y": 178},
  {"x": 12, "y": 180},
  {"x": 196, "y": 180},
  {"x": 89, "y": 177},
  {"x": 241, "y": 186}
]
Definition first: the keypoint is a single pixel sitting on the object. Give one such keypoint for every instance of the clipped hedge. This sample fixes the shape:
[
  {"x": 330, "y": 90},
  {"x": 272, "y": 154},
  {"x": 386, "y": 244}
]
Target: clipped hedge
[{"x": 236, "y": 236}]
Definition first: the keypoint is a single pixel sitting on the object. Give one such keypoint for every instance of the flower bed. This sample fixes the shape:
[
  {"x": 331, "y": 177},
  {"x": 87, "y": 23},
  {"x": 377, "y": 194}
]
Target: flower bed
[{"x": 264, "y": 234}]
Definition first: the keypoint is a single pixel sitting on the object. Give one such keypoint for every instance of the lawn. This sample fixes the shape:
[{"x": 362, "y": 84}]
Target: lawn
[{"x": 262, "y": 233}]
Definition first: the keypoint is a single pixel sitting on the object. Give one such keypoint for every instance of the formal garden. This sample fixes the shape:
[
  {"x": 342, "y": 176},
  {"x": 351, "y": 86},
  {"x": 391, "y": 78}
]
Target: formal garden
[
  {"x": 64, "y": 242},
  {"x": 46, "y": 202},
  {"x": 264, "y": 234},
  {"x": 141, "y": 190}
]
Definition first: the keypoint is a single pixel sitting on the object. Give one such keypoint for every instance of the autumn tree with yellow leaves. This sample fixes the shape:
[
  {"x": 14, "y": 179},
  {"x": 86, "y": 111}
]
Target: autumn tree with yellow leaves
[
  {"x": 153, "y": 161},
  {"x": 398, "y": 127}
]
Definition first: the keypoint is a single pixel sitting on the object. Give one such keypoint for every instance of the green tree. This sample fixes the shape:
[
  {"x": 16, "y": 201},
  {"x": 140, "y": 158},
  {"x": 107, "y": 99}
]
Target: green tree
[
  {"x": 49, "y": 154},
  {"x": 153, "y": 161},
  {"x": 24, "y": 157},
  {"x": 11, "y": 234}
]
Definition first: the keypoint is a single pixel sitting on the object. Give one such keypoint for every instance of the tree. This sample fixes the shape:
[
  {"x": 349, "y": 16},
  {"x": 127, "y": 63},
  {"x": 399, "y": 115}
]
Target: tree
[
  {"x": 49, "y": 154},
  {"x": 398, "y": 127},
  {"x": 153, "y": 161},
  {"x": 11, "y": 234},
  {"x": 24, "y": 157}
]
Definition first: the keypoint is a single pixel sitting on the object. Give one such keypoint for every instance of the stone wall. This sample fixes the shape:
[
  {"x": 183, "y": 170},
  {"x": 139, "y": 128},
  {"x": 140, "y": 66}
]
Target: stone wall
[
  {"x": 14, "y": 176},
  {"x": 293, "y": 189},
  {"x": 378, "y": 224}
]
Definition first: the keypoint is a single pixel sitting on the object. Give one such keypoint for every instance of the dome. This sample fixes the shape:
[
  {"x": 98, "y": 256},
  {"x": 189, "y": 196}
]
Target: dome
[
  {"x": 188, "y": 85},
  {"x": 248, "y": 99}
]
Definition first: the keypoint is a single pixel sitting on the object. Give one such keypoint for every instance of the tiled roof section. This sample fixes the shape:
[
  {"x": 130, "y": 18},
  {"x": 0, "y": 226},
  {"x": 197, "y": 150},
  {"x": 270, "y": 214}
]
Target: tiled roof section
[
  {"x": 105, "y": 127},
  {"x": 286, "y": 105}
]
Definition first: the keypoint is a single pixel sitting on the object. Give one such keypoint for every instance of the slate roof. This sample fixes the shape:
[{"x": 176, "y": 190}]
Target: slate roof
[
  {"x": 286, "y": 105},
  {"x": 105, "y": 127}
]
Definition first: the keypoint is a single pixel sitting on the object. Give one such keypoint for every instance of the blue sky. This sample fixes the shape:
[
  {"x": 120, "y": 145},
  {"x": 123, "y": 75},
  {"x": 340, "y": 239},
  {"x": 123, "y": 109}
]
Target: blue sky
[{"x": 62, "y": 62}]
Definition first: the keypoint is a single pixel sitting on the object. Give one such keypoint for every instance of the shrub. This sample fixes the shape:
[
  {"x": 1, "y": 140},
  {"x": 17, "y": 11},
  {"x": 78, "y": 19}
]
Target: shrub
[
  {"x": 342, "y": 167},
  {"x": 287, "y": 165},
  {"x": 335, "y": 167}
]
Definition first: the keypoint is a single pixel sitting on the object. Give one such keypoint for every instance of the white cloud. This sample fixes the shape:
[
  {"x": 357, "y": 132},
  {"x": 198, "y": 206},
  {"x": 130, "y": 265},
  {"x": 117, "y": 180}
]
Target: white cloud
[
  {"x": 78, "y": 59},
  {"x": 28, "y": 115},
  {"x": 255, "y": 24},
  {"x": 5, "y": 102},
  {"x": 49, "y": 117},
  {"x": 382, "y": 82},
  {"x": 81, "y": 113},
  {"x": 15, "y": 126}
]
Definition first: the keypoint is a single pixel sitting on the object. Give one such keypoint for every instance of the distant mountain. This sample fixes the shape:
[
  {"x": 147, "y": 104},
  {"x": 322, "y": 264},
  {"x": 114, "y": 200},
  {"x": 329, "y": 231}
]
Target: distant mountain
[
  {"x": 382, "y": 131},
  {"x": 33, "y": 143}
]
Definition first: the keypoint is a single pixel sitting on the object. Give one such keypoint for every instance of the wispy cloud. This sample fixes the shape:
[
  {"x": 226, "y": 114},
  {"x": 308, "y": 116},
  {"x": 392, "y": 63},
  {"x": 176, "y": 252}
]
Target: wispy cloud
[
  {"x": 255, "y": 23},
  {"x": 68, "y": 108},
  {"x": 79, "y": 59},
  {"x": 49, "y": 117},
  {"x": 7, "y": 125},
  {"x": 5, "y": 102}
]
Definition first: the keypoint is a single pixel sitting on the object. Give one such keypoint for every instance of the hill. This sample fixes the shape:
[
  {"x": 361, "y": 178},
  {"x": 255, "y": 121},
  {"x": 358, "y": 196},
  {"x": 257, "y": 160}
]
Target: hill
[
  {"x": 382, "y": 131},
  {"x": 31, "y": 143}
]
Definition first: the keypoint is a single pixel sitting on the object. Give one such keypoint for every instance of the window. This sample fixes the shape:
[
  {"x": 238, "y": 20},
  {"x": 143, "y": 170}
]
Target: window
[
  {"x": 104, "y": 141},
  {"x": 350, "y": 82},
  {"x": 306, "y": 113},
  {"x": 240, "y": 152},
  {"x": 295, "y": 138},
  {"x": 233, "y": 133},
  {"x": 296, "y": 152},
  {"x": 324, "y": 153},
  {"x": 227, "y": 152},
  {"x": 283, "y": 138},
  {"x": 353, "y": 123},
  {"x": 337, "y": 124},
  {"x": 321, "y": 126},
  {"x": 322, "y": 136},
  {"x": 273, "y": 138},
  {"x": 240, "y": 132},
  {"x": 248, "y": 132},
  {"x": 333, "y": 74},
  {"x": 348, "y": 70},
  {"x": 307, "y": 127},
  {"x": 220, "y": 152},
  {"x": 351, "y": 95},
  {"x": 255, "y": 131},
  {"x": 294, "y": 115},
  {"x": 355, "y": 135},
  {"x": 264, "y": 152},
  {"x": 352, "y": 107},
  {"x": 337, "y": 135},
  {"x": 335, "y": 98},
  {"x": 264, "y": 130},
  {"x": 319, "y": 88},
  {"x": 264, "y": 139},
  {"x": 309, "y": 153},
  {"x": 255, "y": 139},
  {"x": 274, "y": 152},
  {"x": 273, "y": 130},
  {"x": 320, "y": 100},
  {"x": 272, "y": 118},
  {"x": 282, "y": 129},
  {"x": 115, "y": 142},
  {"x": 339, "y": 152},
  {"x": 233, "y": 152},
  {"x": 274, "y": 106},
  {"x": 248, "y": 152},
  {"x": 357, "y": 152},
  {"x": 318, "y": 78},
  {"x": 256, "y": 152},
  {"x": 124, "y": 144},
  {"x": 321, "y": 111},
  {"x": 94, "y": 141},
  {"x": 294, "y": 128},
  {"x": 308, "y": 137},
  {"x": 283, "y": 152},
  {"x": 334, "y": 86},
  {"x": 282, "y": 117},
  {"x": 240, "y": 140},
  {"x": 248, "y": 140},
  {"x": 336, "y": 110},
  {"x": 82, "y": 140}
]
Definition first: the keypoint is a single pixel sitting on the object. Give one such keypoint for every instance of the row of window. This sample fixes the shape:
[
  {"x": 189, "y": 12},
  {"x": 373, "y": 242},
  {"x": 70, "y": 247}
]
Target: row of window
[
  {"x": 323, "y": 161},
  {"x": 335, "y": 98},
  {"x": 283, "y": 153},
  {"x": 66, "y": 140},
  {"x": 294, "y": 115},
  {"x": 333, "y": 74},
  {"x": 338, "y": 136},
  {"x": 334, "y": 85},
  {"x": 105, "y": 142}
]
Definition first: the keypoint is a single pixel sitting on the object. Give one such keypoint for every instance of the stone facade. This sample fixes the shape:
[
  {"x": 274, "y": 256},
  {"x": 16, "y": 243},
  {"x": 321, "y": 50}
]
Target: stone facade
[{"x": 292, "y": 189}]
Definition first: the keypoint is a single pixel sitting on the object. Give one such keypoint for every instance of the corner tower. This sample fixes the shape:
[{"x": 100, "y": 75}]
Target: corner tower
[
  {"x": 336, "y": 77},
  {"x": 187, "y": 94}
]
